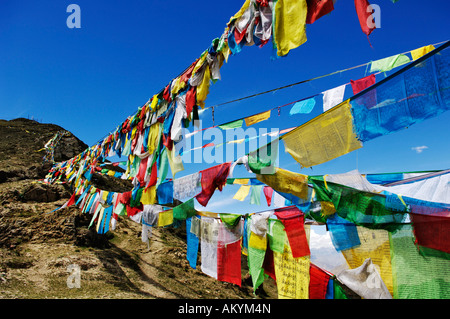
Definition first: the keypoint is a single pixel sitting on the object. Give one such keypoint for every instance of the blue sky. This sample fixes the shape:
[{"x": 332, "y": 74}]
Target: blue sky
[{"x": 88, "y": 80}]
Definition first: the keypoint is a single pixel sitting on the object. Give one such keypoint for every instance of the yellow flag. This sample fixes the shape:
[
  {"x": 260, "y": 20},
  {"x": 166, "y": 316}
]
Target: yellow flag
[
  {"x": 165, "y": 218},
  {"x": 257, "y": 118},
  {"x": 375, "y": 245},
  {"x": 292, "y": 274},
  {"x": 287, "y": 182},
  {"x": 242, "y": 193},
  {"x": 324, "y": 138},
  {"x": 289, "y": 25},
  {"x": 203, "y": 88},
  {"x": 153, "y": 137},
  {"x": 175, "y": 162},
  {"x": 258, "y": 242},
  {"x": 149, "y": 196},
  {"x": 110, "y": 173},
  {"x": 241, "y": 181},
  {"x": 417, "y": 53}
]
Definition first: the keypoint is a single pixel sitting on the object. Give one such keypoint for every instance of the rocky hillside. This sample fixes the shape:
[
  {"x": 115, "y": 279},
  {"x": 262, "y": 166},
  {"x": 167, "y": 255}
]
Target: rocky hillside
[
  {"x": 39, "y": 245},
  {"x": 22, "y": 148}
]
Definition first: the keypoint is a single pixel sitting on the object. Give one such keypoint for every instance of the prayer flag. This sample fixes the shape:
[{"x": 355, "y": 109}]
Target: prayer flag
[
  {"x": 293, "y": 221},
  {"x": 362, "y": 84},
  {"x": 292, "y": 275},
  {"x": 318, "y": 282},
  {"x": 192, "y": 244},
  {"x": 287, "y": 182},
  {"x": 365, "y": 281},
  {"x": 290, "y": 25},
  {"x": 324, "y": 138},
  {"x": 333, "y": 97},
  {"x": 257, "y": 118},
  {"x": 242, "y": 193},
  {"x": 364, "y": 14},
  {"x": 232, "y": 125},
  {"x": 149, "y": 196},
  {"x": 229, "y": 253},
  {"x": 212, "y": 178},
  {"x": 268, "y": 191},
  {"x": 255, "y": 196},
  {"x": 387, "y": 64},
  {"x": 416, "y": 276},
  {"x": 317, "y": 9},
  {"x": 165, "y": 218},
  {"x": 164, "y": 192},
  {"x": 303, "y": 107},
  {"x": 185, "y": 210},
  {"x": 417, "y": 53}
]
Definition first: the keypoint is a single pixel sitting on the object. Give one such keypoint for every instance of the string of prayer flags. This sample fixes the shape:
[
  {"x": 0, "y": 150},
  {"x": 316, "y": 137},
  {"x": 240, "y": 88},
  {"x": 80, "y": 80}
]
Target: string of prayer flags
[
  {"x": 289, "y": 31},
  {"x": 212, "y": 178},
  {"x": 389, "y": 63},
  {"x": 400, "y": 98},
  {"x": 363, "y": 12},
  {"x": 324, "y": 138},
  {"x": 303, "y": 107},
  {"x": 293, "y": 221},
  {"x": 333, "y": 97},
  {"x": 257, "y": 118},
  {"x": 317, "y": 9},
  {"x": 420, "y": 52}
]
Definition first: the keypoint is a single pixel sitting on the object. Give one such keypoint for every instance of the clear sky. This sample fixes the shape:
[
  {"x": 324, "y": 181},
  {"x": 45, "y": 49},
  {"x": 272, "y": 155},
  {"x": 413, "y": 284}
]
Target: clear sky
[{"x": 89, "y": 79}]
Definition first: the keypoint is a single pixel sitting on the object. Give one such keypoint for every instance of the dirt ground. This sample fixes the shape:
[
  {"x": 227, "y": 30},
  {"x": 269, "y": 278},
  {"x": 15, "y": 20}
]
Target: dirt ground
[{"x": 38, "y": 247}]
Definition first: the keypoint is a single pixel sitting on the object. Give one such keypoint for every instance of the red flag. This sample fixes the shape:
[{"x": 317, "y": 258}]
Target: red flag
[
  {"x": 142, "y": 170},
  {"x": 229, "y": 262},
  {"x": 212, "y": 178},
  {"x": 365, "y": 16},
  {"x": 362, "y": 84},
  {"x": 71, "y": 200},
  {"x": 318, "y": 282},
  {"x": 317, "y": 9},
  {"x": 293, "y": 220},
  {"x": 191, "y": 95},
  {"x": 432, "y": 231},
  {"x": 268, "y": 263},
  {"x": 268, "y": 191}
]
